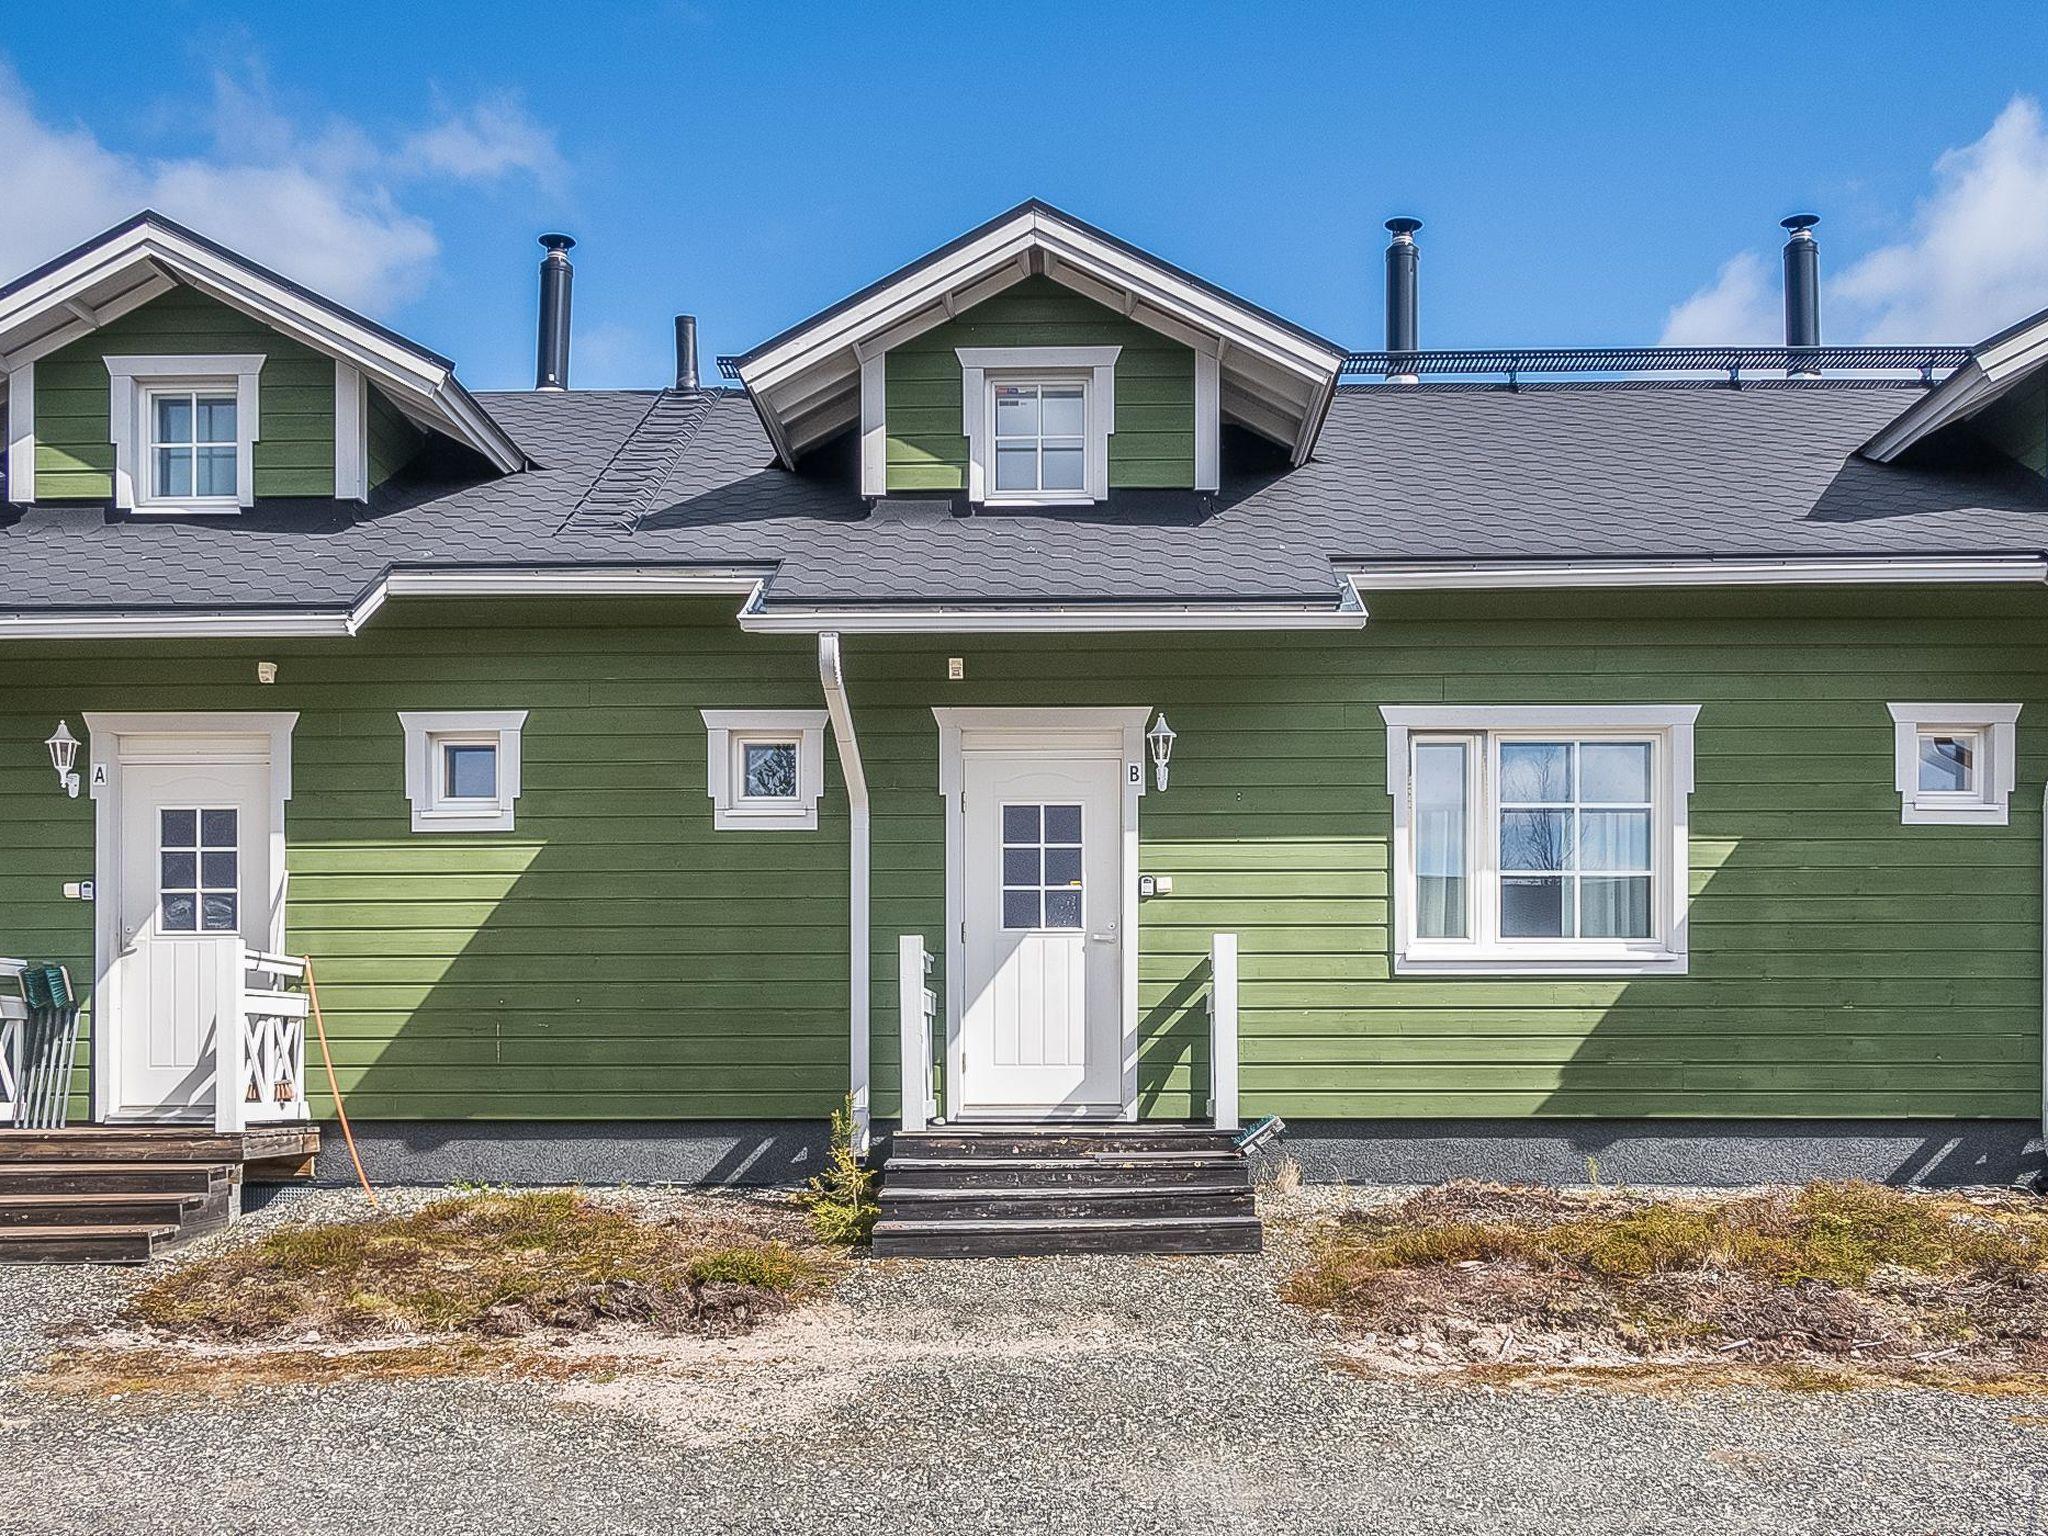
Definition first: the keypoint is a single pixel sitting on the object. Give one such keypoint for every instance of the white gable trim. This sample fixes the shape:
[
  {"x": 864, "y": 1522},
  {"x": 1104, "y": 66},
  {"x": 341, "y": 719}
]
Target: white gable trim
[{"x": 118, "y": 272}]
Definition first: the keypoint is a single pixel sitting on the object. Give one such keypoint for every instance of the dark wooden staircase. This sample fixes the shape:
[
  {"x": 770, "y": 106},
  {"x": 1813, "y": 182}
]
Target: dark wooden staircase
[
  {"x": 121, "y": 1195},
  {"x": 998, "y": 1191}
]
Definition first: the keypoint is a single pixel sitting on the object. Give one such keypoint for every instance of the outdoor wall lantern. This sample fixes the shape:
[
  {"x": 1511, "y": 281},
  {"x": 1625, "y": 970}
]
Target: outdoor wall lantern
[
  {"x": 63, "y": 753},
  {"x": 1161, "y": 736}
]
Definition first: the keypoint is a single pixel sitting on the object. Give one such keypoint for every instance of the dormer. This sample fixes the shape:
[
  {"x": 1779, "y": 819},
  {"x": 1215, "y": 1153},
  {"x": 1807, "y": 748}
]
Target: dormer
[
  {"x": 1038, "y": 361},
  {"x": 156, "y": 372}
]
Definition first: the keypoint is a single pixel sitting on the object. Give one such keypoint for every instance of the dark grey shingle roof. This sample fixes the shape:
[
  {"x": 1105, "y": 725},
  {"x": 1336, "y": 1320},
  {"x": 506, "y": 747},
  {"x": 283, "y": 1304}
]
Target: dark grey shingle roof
[{"x": 1425, "y": 473}]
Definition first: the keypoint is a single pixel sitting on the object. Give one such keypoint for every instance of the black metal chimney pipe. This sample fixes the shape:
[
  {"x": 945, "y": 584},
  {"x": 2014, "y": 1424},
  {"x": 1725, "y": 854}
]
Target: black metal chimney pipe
[
  {"x": 551, "y": 358},
  {"x": 686, "y": 352},
  {"x": 1802, "y": 289},
  {"x": 1403, "y": 308}
]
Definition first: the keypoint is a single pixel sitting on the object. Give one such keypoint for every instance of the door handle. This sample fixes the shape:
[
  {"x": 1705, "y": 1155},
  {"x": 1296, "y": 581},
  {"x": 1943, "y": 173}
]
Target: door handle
[{"x": 1102, "y": 938}]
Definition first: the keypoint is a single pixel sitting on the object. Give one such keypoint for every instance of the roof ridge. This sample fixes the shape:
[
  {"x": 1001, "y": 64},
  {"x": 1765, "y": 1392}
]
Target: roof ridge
[{"x": 641, "y": 465}]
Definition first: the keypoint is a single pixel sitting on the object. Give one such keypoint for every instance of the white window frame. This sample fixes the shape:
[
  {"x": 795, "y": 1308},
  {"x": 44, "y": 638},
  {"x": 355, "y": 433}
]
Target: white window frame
[
  {"x": 426, "y": 733},
  {"x": 982, "y": 368},
  {"x": 729, "y": 732},
  {"x": 1669, "y": 729},
  {"x": 1986, "y": 805},
  {"x": 132, "y": 381}
]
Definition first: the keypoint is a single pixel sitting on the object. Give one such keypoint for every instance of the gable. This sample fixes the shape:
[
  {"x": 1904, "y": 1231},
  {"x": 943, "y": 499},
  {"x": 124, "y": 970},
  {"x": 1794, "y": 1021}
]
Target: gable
[
  {"x": 815, "y": 380},
  {"x": 1154, "y": 442},
  {"x": 2016, "y": 425}
]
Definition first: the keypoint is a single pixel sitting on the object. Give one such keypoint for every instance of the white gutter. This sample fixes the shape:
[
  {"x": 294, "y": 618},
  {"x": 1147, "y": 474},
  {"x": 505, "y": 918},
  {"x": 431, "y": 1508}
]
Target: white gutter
[
  {"x": 290, "y": 623},
  {"x": 1495, "y": 575},
  {"x": 832, "y": 675},
  {"x": 1342, "y": 612}
]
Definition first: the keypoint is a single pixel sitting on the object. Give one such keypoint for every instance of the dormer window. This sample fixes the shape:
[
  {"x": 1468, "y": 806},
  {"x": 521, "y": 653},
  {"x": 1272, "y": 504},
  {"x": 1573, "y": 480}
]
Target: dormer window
[
  {"x": 1038, "y": 422},
  {"x": 192, "y": 445},
  {"x": 184, "y": 431},
  {"x": 1041, "y": 437}
]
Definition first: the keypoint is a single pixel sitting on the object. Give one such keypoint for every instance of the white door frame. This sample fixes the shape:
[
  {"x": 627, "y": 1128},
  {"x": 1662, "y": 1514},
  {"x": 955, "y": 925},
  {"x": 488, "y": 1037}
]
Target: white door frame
[
  {"x": 107, "y": 732},
  {"x": 1106, "y": 732}
]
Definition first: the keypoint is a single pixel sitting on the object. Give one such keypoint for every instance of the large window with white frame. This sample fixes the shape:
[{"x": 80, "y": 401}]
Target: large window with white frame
[{"x": 1540, "y": 840}]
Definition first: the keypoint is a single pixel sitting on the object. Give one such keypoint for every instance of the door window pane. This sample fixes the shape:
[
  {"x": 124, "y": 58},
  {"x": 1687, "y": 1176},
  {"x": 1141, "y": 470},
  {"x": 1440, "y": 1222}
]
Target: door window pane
[
  {"x": 1441, "y": 816},
  {"x": 198, "y": 871},
  {"x": 1041, "y": 866}
]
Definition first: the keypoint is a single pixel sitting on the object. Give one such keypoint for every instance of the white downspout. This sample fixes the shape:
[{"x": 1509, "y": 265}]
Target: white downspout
[
  {"x": 2043, "y": 1178},
  {"x": 833, "y": 676}
]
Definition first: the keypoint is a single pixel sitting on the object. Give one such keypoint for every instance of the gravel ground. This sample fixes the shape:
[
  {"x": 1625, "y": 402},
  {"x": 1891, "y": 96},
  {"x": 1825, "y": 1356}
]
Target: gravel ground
[{"x": 1076, "y": 1395}]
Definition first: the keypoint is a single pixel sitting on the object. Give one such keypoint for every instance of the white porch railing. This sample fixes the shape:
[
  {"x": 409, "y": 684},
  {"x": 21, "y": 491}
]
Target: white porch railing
[
  {"x": 260, "y": 1041},
  {"x": 13, "y": 1021},
  {"x": 1223, "y": 1031},
  {"x": 918, "y": 1007}
]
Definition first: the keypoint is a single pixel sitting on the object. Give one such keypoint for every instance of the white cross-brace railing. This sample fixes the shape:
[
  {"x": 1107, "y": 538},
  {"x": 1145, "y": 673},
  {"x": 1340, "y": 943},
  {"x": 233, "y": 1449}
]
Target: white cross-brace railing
[
  {"x": 917, "y": 1008},
  {"x": 13, "y": 1018},
  {"x": 260, "y": 1040},
  {"x": 1223, "y": 1030}
]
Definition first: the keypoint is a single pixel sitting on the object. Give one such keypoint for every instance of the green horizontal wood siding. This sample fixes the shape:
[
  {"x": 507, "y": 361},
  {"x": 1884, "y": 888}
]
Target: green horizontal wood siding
[
  {"x": 1154, "y": 442},
  {"x": 615, "y": 957},
  {"x": 294, "y": 453},
  {"x": 393, "y": 439}
]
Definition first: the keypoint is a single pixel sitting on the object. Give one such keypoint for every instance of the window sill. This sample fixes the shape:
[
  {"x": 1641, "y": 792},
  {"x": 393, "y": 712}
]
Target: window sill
[
  {"x": 186, "y": 509},
  {"x": 1040, "y": 499},
  {"x": 743, "y": 818},
  {"x": 484, "y": 819},
  {"x": 1953, "y": 814},
  {"x": 1563, "y": 961}
]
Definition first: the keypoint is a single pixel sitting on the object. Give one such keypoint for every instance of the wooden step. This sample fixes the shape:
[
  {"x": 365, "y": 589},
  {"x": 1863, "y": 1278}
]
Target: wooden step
[
  {"x": 1164, "y": 1172},
  {"x": 901, "y": 1238},
  {"x": 131, "y": 1244},
  {"x": 1058, "y": 1202},
  {"x": 157, "y": 1143},
  {"x": 1015, "y": 1141},
  {"x": 135, "y": 1178},
  {"x": 105, "y": 1209}
]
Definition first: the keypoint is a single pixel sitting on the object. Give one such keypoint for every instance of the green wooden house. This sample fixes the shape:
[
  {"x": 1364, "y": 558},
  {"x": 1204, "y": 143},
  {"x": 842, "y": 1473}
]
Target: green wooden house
[{"x": 1042, "y": 689}]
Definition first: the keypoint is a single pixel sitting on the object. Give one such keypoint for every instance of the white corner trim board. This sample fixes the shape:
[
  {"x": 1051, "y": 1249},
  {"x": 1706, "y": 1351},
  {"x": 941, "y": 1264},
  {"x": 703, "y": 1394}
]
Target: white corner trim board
[
  {"x": 21, "y": 434},
  {"x": 1482, "y": 950},
  {"x": 438, "y": 802},
  {"x": 729, "y": 733},
  {"x": 129, "y": 380},
  {"x": 1973, "y": 763},
  {"x": 351, "y": 433}
]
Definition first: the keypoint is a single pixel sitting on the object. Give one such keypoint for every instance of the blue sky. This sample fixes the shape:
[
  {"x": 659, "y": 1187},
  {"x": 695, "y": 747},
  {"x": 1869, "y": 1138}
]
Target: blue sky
[{"x": 1588, "y": 174}]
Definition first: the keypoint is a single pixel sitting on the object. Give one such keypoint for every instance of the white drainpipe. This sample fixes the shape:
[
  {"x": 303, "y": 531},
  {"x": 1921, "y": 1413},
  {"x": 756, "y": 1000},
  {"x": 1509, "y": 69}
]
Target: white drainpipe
[
  {"x": 832, "y": 674},
  {"x": 2043, "y": 1178}
]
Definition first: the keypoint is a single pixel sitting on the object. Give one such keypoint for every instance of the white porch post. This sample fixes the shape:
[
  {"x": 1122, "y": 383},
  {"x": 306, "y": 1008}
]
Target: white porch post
[
  {"x": 1223, "y": 1030},
  {"x": 230, "y": 1069}
]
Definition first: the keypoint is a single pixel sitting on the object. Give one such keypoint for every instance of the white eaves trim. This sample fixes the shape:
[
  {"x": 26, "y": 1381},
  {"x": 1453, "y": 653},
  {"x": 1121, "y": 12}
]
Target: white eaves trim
[
  {"x": 1060, "y": 619},
  {"x": 1501, "y": 575},
  {"x": 159, "y": 253},
  {"x": 289, "y": 623}
]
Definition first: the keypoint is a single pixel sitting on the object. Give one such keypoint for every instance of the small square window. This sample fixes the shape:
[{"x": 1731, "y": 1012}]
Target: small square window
[
  {"x": 193, "y": 451},
  {"x": 765, "y": 768},
  {"x": 1953, "y": 762},
  {"x": 768, "y": 770},
  {"x": 462, "y": 769}
]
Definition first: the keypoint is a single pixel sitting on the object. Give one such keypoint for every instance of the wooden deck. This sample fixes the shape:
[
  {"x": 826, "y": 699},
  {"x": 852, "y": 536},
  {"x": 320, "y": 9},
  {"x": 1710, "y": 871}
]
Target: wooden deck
[{"x": 264, "y": 1144}]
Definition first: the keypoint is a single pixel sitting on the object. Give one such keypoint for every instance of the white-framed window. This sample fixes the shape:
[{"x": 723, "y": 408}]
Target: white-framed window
[
  {"x": 184, "y": 430},
  {"x": 1953, "y": 764},
  {"x": 1540, "y": 840},
  {"x": 765, "y": 768},
  {"x": 1038, "y": 422},
  {"x": 462, "y": 768}
]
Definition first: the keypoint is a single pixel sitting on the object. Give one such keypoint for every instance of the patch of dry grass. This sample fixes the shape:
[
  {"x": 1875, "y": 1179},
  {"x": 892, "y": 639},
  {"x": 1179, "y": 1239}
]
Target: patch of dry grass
[
  {"x": 484, "y": 1265},
  {"x": 138, "y": 1372},
  {"x": 1846, "y": 1279}
]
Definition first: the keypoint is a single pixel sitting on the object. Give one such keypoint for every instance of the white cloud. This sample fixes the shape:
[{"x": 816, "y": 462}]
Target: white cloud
[
  {"x": 1975, "y": 260},
  {"x": 321, "y": 202},
  {"x": 1740, "y": 307}
]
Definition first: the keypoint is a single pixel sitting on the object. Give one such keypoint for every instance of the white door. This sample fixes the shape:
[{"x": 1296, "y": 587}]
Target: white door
[
  {"x": 1042, "y": 1030},
  {"x": 194, "y": 867}
]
